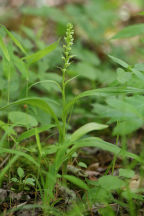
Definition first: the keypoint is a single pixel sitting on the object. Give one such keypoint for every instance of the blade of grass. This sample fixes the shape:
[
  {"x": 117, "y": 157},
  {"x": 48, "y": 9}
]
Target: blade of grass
[
  {"x": 31, "y": 132},
  {"x": 7, "y": 167},
  {"x": 4, "y": 49},
  {"x": 14, "y": 39},
  {"x": 19, "y": 153}
]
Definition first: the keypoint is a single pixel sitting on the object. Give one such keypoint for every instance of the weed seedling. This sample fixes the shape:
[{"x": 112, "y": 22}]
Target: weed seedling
[{"x": 21, "y": 182}]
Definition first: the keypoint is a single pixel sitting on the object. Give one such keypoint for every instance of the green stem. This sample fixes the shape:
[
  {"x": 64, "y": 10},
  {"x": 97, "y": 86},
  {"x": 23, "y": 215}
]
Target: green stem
[
  {"x": 64, "y": 167},
  {"x": 63, "y": 114},
  {"x": 115, "y": 156}
]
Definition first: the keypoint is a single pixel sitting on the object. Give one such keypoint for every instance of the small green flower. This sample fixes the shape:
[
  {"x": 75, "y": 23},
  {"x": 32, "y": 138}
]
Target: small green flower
[{"x": 67, "y": 47}]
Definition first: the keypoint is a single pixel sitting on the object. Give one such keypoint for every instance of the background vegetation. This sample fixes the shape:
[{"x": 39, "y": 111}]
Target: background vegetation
[{"x": 71, "y": 107}]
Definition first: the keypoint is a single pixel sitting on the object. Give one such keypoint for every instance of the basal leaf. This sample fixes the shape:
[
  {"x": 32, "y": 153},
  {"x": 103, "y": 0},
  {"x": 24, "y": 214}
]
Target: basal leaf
[
  {"x": 37, "y": 102},
  {"x": 101, "y": 144},
  {"x": 86, "y": 129}
]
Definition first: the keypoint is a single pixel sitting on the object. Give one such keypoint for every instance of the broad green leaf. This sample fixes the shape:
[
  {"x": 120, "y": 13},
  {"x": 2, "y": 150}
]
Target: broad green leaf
[
  {"x": 14, "y": 39},
  {"x": 21, "y": 118},
  {"x": 31, "y": 132},
  {"x": 40, "y": 54},
  {"x": 130, "y": 31},
  {"x": 76, "y": 181},
  {"x": 96, "y": 142},
  {"x": 85, "y": 70},
  {"x": 37, "y": 102},
  {"x": 128, "y": 126},
  {"x": 86, "y": 129},
  {"x": 20, "y": 172},
  {"x": 101, "y": 144},
  {"x": 4, "y": 49},
  {"x": 104, "y": 92},
  {"x": 97, "y": 194},
  {"x": 85, "y": 55},
  {"x": 119, "y": 61},
  {"x": 123, "y": 76},
  {"x": 127, "y": 173},
  {"x": 111, "y": 183}
]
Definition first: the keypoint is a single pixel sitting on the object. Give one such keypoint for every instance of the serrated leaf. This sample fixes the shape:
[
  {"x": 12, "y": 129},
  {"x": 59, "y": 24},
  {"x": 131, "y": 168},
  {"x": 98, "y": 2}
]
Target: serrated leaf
[
  {"x": 21, "y": 118},
  {"x": 138, "y": 74},
  {"x": 130, "y": 31},
  {"x": 111, "y": 183},
  {"x": 127, "y": 173},
  {"x": 104, "y": 92},
  {"x": 86, "y": 129},
  {"x": 76, "y": 181},
  {"x": 123, "y": 76},
  {"x": 14, "y": 180},
  {"x": 29, "y": 181}
]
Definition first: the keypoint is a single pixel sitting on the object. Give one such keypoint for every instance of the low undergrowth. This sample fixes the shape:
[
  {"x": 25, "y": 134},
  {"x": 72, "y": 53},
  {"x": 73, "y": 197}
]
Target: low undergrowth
[{"x": 42, "y": 153}]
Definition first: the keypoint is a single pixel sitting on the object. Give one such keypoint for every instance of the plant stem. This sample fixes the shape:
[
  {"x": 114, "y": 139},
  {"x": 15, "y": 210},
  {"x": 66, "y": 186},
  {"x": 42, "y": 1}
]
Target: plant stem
[{"x": 67, "y": 48}]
